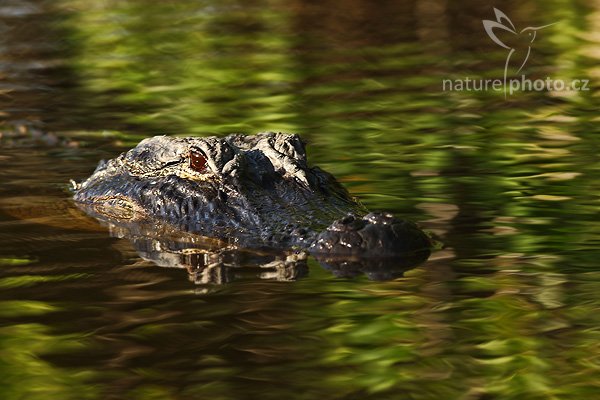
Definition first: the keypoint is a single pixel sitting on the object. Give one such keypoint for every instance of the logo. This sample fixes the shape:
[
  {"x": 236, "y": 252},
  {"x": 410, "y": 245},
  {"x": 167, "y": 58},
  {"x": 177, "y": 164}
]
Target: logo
[
  {"x": 519, "y": 43},
  {"x": 518, "y": 55}
]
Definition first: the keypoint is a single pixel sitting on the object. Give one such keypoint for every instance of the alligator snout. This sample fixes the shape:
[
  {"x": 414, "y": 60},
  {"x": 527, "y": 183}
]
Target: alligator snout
[{"x": 374, "y": 235}]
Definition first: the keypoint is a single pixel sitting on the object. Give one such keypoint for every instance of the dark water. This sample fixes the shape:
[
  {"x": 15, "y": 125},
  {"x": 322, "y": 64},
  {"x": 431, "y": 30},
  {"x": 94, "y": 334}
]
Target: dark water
[{"x": 510, "y": 309}]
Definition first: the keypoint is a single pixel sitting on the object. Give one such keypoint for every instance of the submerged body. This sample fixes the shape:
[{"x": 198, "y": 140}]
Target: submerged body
[{"x": 249, "y": 191}]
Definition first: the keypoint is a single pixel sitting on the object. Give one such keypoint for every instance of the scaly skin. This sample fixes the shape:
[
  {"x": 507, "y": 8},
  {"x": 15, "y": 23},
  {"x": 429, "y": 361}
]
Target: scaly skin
[{"x": 249, "y": 191}]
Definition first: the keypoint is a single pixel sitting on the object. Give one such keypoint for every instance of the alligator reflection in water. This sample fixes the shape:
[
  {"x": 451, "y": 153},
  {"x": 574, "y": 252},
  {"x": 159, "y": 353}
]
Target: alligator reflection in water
[
  {"x": 219, "y": 266},
  {"x": 208, "y": 261}
]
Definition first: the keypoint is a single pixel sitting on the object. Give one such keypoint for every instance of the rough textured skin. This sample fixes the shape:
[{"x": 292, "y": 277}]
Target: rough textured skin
[
  {"x": 376, "y": 234},
  {"x": 249, "y": 191}
]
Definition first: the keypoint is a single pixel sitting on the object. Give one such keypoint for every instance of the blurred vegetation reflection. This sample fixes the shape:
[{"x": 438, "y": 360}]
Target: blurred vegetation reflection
[{"x": 508, "y": 310}]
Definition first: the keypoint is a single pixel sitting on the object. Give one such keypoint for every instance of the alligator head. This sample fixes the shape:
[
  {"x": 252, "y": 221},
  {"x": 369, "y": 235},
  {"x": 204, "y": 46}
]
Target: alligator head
[{"x": 247, "y": 191}]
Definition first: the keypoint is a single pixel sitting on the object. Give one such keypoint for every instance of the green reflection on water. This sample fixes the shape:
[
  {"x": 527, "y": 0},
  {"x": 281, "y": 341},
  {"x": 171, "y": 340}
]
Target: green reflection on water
[{"x": 24, "y": 374}]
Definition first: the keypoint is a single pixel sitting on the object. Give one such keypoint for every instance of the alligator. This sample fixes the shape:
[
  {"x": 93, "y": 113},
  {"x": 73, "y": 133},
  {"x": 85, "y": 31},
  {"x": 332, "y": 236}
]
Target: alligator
[{"x": 247, "y": 191}]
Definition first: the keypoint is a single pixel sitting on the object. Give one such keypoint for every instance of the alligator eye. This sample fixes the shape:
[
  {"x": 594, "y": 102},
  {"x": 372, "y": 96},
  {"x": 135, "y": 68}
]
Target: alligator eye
[{"x": 197, "y": 161}]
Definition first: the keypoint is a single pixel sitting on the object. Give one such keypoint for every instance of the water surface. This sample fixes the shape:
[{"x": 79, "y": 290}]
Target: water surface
[{"x": 508, "y": 310}]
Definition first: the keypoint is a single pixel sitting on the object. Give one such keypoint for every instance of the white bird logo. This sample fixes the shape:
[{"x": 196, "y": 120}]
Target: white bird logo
[{"x": 505, "y": 24}]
